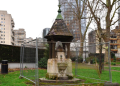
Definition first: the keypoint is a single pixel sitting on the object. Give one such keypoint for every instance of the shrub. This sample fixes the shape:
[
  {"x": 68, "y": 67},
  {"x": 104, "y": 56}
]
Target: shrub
[
  {"x": 90, "y": 59},
  {"x": 43, "y": 63},
  {"x": 12, "y": 53},
  {"x": 80, "y": 59},
  {"x": 113, "y": 58},
  {"x": 113, "y": 63},
  {"x": 73, "y": 58},
  {"x": 118, "y": 59}
]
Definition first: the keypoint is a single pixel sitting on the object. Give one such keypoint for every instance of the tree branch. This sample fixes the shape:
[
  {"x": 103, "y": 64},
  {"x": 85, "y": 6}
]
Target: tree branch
[{"x": 114, "y": 13}]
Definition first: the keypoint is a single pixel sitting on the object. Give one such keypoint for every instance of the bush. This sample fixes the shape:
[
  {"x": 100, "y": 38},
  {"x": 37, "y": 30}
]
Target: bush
[
  {"x": 80, "y": 59},
  {"x": 43, "y": 63},
  {"x": 113, "y": 58},
  {"x": 118, "y": 59},
  {"x": 113, "y": 63},
  {"x": 12, "y": 53},
  {"x": 73, "y": 59},
  {"x": 90, "y": 59},
  {"x": 95, "y": 57}
]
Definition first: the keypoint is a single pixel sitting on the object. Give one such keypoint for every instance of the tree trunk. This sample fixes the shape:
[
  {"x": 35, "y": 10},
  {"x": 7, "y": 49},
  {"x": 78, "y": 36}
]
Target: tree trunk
[
  {"x": 108, "y": 23},
  {"x": 81, "y": 49},
  {"x": 100, "y": 56}
]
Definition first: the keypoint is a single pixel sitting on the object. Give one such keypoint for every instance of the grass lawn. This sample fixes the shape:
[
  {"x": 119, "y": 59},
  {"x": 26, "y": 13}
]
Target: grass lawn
[
  {"x": 12, "y": 78},
  {"x": 114, "y": 68},
  {"x": 91, "y": 71}
]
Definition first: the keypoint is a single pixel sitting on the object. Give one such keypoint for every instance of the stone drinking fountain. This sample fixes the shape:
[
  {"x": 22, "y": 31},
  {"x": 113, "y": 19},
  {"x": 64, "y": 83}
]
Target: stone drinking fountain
[{"x": 59, "y": 65}]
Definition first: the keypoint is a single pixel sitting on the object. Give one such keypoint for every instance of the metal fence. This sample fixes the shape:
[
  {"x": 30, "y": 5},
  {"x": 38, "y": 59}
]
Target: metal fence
[
  {"x": 90, "y": 64},
  {"x": 97, "y": 65},
  {"x": 29, "y": 60}
]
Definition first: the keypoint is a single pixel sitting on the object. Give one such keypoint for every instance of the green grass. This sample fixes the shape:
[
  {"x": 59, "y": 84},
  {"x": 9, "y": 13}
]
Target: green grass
[
  {"x": 117, "y": 63},
  {"x": 114, "y": 68},
  {"x": 12, "y": 79},
  {"x": 89, "y": 71}
]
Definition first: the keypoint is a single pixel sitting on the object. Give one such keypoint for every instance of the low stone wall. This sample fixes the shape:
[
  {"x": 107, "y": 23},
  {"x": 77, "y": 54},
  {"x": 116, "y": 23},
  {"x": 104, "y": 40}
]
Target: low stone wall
[{"x": 17, "y": 65}]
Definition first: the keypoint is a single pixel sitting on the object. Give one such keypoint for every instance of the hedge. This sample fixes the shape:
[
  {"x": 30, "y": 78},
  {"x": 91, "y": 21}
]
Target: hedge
[{"x": 12, "y": 53}]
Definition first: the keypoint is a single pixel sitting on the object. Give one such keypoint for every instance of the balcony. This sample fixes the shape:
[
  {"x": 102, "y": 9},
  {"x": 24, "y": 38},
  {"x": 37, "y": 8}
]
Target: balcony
[
  {"x": 12, "y": 25},
  {"x": 114, "y": 43},
  {"x": 114, "y": 49},
  {"x": 20, "y": 40},
  {"x": 113, "y": 38}
]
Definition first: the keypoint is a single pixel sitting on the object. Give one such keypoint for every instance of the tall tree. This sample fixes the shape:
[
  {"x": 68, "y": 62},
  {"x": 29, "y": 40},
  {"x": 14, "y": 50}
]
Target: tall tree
[
  {"x": 79, "y": 10},
  {"x": 105, "y": 12}
]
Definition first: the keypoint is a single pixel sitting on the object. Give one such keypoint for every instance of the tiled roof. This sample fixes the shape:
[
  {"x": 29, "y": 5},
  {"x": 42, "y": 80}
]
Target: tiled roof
[{"x": 59, "y": 28}]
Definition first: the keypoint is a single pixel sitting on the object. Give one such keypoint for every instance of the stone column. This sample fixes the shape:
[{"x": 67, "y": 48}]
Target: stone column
[{"x": 68, "y": 50}]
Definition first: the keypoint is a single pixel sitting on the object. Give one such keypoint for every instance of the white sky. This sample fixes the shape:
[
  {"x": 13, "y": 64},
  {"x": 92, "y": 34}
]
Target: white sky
[{"x": 32, "y": 15}]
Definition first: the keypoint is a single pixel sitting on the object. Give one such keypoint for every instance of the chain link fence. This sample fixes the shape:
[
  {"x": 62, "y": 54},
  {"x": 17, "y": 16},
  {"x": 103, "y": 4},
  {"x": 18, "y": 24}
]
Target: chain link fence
[
  {"x": 96, "y": 65},
  {"x": 92, "y": 61}
]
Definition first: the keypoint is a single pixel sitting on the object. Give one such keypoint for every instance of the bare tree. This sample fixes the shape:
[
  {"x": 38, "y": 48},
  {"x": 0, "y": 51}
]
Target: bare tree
[
  {"x": 79, "y": 10},
  {"x": 101, "y": 10}
]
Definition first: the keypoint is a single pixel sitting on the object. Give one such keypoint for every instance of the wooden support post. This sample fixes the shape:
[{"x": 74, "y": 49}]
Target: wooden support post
[
  {"x": 53, "y": 50},
  {"x": 50, "y": 51},
  {"x": 68, "y": 50}
]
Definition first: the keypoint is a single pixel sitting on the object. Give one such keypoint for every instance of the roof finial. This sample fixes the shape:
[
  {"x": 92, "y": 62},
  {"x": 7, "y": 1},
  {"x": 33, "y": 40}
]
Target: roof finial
[{"x": 59, "y": 16}]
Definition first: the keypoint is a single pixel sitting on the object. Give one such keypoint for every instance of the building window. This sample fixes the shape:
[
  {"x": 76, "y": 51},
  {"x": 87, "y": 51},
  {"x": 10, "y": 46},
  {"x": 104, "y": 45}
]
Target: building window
[
  {"x": 1, "y": 18},
  {"x": 4, "y": 18},
  {"x": 2, "y": 41},
  {"x": 4, "y": 28},
  {"x": 1, "y": 28},
  {"x": 1, "y": 15},
  {"x": 1, "y": 21},
  {"x": 4, "y": 25}
]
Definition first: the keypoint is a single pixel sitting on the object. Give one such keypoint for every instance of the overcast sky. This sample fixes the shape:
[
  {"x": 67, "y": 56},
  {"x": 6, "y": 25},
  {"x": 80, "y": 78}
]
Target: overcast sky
[{"x": 32, "y": 15}]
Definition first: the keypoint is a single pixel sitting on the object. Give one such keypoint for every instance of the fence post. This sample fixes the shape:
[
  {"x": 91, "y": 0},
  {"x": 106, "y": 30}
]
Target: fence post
[
  {"x": 20, "y": 59},
  {"x": 76, "y": 64},
  {"x": 110, "y": 75},
  {"x": 36, "y": 66}
]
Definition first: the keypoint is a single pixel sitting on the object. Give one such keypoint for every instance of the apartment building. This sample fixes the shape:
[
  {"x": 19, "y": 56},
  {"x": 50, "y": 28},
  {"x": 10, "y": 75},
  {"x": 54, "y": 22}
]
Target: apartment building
[
  {"x": 19, "y": 36},
  {"x": 28, "y": 39},
  {"x": 30, "y": 42},
  {"x": 114, "y": 41},
  {"x": 119, "y": 14},
  {"x": 45, "y": 32},
  {"x": 70, "y": 18},
  {"x": 6, "y": 28}
]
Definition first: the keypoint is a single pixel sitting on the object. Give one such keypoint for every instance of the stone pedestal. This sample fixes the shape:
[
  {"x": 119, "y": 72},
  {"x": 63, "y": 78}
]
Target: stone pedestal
[{"x": 52, "y": 68}]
